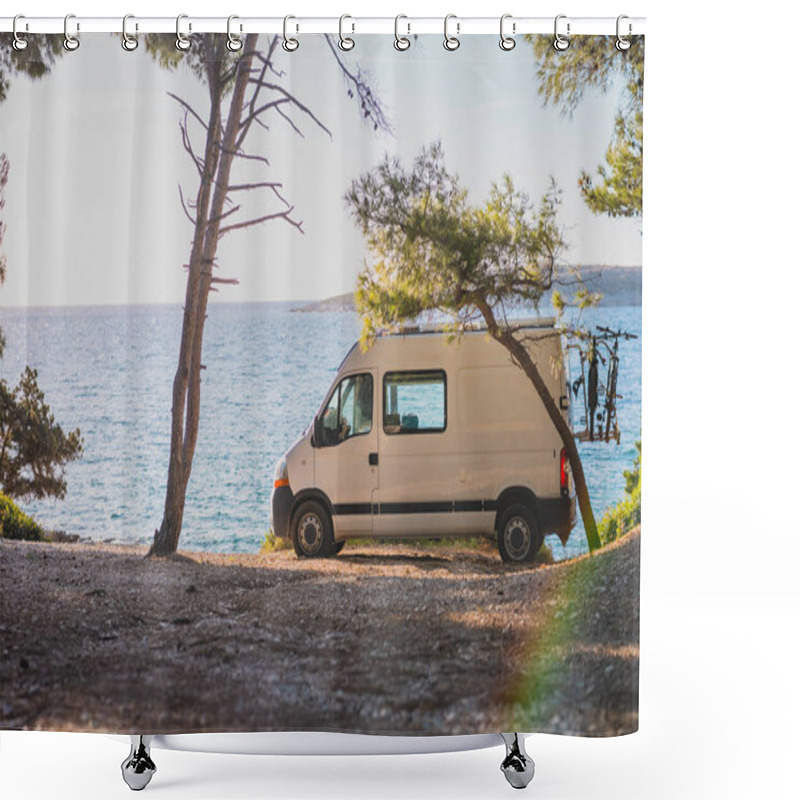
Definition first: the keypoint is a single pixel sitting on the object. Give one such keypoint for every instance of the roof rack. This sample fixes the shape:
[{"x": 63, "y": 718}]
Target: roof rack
[{"x": 445, "y": 327}]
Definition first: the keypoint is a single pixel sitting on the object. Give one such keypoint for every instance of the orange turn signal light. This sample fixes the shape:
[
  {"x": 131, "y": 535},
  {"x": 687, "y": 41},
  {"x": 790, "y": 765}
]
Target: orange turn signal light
[{"x": 281, "y": 482}]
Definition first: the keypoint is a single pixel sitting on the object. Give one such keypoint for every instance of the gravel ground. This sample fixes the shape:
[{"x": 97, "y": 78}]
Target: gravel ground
[{"x": 381, "y": 639}]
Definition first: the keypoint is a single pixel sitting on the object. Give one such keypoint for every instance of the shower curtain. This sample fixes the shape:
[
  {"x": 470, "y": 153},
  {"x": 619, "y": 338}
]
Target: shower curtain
[{"x": 308, "y": 355}]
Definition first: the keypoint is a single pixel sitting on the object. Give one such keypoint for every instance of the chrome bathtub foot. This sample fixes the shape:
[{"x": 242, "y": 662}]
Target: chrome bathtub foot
[
  {"x": 518, "y": 766},
  {"x": 138, "y": 768}
]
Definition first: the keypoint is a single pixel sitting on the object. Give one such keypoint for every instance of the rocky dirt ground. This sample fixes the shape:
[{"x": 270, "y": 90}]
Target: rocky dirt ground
[{"x": 381, "y": 639}]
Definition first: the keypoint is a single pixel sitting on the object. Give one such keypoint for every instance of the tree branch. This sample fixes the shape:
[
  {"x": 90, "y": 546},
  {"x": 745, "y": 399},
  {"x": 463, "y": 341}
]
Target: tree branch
[
  {"x": 189, "y": 109},
  {"x": 292, "y": 99},
  {"x": 253, "y": 117},
  {"x": 246, "y": 156},
  {"x": 370, "y": 106},
  {"x": 266, "y": 61},
  {"x": 291, "y": 122},
  {"x": 229, "y": 281},
  {"x": 183, "y": 205},
  {"x": 187, "y": 146},
  {"x": 246, "y": 187},
  {"x": 224, "y": 215},
  {"x": 266, "y": 218}
]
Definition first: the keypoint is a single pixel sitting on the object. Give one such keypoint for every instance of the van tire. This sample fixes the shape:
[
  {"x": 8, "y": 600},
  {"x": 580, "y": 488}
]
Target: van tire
[
  {"x": 519, "y": 537},
  {"x": 312, "y": 531}
]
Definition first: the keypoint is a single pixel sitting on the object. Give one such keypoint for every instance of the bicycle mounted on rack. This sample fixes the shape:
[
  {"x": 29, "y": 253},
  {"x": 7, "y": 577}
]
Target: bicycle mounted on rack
[{"x": 602, "y": 350}]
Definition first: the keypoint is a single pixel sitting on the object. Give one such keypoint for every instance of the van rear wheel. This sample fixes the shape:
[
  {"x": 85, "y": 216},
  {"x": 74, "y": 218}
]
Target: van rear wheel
[
  {"x": 519, "y": 537},
  {"x": 312, "y": 531}
]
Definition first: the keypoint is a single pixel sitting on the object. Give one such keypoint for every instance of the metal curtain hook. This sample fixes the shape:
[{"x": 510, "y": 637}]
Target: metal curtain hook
[
  {"x": 400, "y": 42},
  {"x": 19, "y": 43},
  {"x": 623, "y": 44},
  {"x": 507, "y": 42},
  {"x": 71, "y": 42},
  {"x": 560, "y": 42},
  {"x": 289, "y": 44},
  {"x": 182, "y": 42},
  {"x": 345, "y": 42},
  {"x": 129, "y": 43},
  {"x": 234, "y": 43},
  {"x": 451, "y": 42}
]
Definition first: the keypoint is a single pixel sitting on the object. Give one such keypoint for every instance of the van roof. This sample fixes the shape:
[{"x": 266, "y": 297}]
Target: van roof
[{"x": 445, "y": 327}]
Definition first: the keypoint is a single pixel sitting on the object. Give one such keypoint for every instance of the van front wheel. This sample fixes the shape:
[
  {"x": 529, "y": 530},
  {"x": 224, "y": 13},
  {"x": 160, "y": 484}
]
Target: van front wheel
[
  {"x": 518, "y": 535},
  {"x": 312, "y": 531}
]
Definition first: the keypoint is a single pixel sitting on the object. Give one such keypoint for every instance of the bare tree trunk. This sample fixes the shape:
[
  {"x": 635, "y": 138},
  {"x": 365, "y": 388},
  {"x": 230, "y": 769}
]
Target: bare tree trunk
[
  {"x": 211, "y": 197},
  {"x": 223, "y": 145},
  {"x": 522, "y": 357}
]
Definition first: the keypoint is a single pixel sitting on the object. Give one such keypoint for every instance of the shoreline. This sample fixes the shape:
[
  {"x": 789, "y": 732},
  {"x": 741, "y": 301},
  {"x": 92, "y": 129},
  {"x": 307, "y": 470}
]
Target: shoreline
[
  {"x": 469, "y": 544},
  {"x": 379, "y": 547}
]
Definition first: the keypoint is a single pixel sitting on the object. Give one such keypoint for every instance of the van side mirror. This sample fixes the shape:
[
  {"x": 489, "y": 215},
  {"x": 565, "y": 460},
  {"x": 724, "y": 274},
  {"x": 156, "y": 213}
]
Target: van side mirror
[{"x": 316, "y": 439}]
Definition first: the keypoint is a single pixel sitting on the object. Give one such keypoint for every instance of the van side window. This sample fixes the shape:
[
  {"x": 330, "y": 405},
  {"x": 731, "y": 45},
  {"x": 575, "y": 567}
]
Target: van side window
[
  {"x": 415, "y": 402},
  {"x": 349, "y": 411}
]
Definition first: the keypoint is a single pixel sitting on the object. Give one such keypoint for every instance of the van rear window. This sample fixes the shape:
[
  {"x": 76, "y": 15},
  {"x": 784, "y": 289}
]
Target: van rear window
[{"x": 415, "y": 402}]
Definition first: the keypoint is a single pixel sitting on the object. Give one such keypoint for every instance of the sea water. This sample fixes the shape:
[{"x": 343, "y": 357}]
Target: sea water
[{"x": 109, "y": 372}]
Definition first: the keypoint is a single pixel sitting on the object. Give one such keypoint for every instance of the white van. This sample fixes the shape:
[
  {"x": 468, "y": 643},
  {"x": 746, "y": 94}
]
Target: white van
[{"x": 423, "y": 435}]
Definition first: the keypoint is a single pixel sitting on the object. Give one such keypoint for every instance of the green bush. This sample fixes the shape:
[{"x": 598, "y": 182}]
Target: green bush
[
  {"x": 545, "y": 555},
  {"x": 627, "y": 513},
  {"x": 272, "y": 544},
  {"x": 16, "y": 524}
]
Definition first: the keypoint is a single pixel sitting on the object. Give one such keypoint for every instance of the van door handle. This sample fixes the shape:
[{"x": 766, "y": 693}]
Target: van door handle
[{"x": 373, "y": 459}]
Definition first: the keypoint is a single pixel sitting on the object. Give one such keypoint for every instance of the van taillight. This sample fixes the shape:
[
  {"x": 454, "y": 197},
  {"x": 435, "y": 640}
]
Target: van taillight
[{"x": 564, "y": 475}]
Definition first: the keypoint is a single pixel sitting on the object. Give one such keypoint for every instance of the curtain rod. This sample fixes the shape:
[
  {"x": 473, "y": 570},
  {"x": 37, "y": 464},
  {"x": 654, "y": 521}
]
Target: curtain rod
[{"x": 460, "y": 26}]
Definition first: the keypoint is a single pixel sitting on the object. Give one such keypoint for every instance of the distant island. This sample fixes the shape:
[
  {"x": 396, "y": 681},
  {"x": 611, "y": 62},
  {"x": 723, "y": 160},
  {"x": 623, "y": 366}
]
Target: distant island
[
  {"x": 341, "y": 302},
  {"x": 620, "y": 286}
]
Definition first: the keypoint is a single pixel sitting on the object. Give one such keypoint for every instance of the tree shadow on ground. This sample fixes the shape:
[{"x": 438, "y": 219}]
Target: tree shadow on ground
[{"x": 372, "y": 644}]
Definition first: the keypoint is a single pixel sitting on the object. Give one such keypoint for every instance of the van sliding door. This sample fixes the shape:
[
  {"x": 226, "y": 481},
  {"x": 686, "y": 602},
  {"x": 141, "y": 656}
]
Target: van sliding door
[{"x": 415, "y": 493}]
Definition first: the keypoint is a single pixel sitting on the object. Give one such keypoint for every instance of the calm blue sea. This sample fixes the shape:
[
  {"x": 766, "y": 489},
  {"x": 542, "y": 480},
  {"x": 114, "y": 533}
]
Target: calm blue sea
[{"x": 109, "y": 371}]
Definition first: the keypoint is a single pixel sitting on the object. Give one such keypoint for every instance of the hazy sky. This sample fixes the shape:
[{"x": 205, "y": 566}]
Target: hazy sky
[{"x": 92, "y": 207}]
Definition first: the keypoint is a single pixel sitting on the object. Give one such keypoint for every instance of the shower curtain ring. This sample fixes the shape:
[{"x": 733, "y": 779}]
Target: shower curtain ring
[
  {"x": 182, "y": 42},
  {"x": 560, "y": 42},
  {"x": 451, "y": 42},
  {"x": 19, "y": 43},
  {"x": 623, "y": 44},
  {"x": 400, "y": 42},
  {"x": 289, "y": 44},
  {"x": 71, "y": 42},
  {"x": 507, "y": 42},
  {"x": 234, "y": 43},
  {"x": 129, "y": 43},
  {"x": 345, "y": 42}
]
